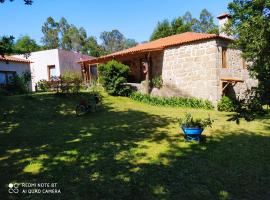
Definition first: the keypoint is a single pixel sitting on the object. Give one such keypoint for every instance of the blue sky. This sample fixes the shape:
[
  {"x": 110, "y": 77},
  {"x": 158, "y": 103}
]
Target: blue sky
[{"x": 134, "y": 18}]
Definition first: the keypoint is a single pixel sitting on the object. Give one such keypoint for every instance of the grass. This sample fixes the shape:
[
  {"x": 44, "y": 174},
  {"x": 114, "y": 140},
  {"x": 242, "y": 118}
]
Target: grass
[{"x": 128, "y": 150}]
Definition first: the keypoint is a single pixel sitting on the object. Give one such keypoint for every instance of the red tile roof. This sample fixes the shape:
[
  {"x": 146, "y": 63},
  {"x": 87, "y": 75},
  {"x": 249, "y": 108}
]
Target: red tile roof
[
  {"x": 14, "y": 59},
  {"x": 156, "y": 45}
]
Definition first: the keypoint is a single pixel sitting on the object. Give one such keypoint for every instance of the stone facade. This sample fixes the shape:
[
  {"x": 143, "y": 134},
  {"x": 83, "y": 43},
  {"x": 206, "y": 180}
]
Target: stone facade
[
  {"x": 195, "y": 70},
  {"x": 236, "y": 68},
  {"x": 190, "y": 70}
]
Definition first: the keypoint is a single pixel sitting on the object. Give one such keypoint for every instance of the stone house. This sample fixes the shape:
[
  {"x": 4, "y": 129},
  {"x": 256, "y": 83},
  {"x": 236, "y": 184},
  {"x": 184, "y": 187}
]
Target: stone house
[
  {"x": 191, "y": 65},
  {"x": 11, "y": 66},
  {"x": 51, "y": 63}
]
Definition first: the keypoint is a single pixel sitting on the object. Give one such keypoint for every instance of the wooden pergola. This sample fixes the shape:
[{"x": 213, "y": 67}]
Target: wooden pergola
[
  {"x": 230, "y": 80},
  {"x": 146, "y": 55}
]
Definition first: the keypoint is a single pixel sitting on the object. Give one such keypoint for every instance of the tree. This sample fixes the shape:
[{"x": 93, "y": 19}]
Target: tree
[
  {"x": 26, "y": 45},
  {"x": 74, "y": 39},
  {"x": 92, "y": 48},
  {"x": 178, "y": 26},
  {"x": 27, "y": 2},
  {"x": 6, "y": 45},
  {"x": 112, "y": 41},
  {"x": 163, "y": 29},
  {"x": 64, "y": 35},
  {"x": 206, "y": 23},
  {"x": 50, "y": 29},
  {"x": 250, "y": 22},
  {"x": 130, "y": 43},
  {"x": 63, "y": 26},
  {"x": 189, "y": 21}
]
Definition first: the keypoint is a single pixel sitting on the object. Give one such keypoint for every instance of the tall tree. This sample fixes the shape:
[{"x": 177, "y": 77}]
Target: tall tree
[
  {"x": 178, "y": 26},
  {"x": 63, "y": 26},
  {"x": 163, "y": 29},
  {"x": 74, "y": 38},
  {"x": 112, "y": 40},
  {"x": 6, "y": 45},
  {"x": 50, "y": 29},
  {"x": 250, "y": 22},
  {"x": 92, "y": 48},
  {"x": 206, "y": 23},
  {"x": 26, "y": 45},
  {"x": 130, "y": 43}
]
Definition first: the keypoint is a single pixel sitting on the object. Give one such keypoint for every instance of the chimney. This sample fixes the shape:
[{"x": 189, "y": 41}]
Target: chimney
[{"x": 223, "y": 19}]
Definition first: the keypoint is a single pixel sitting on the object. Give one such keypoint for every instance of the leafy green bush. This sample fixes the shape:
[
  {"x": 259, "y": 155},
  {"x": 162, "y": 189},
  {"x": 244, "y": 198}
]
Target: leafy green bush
[
  {"x": 43, "y": 86},
  {"x": 157, "y": 82},
  {"x": 190, "y": 122},
  {"x": 68, "y": 82},
  {"x": 226, "y": 104},
  {"x": 19, "y": 84},
  {"x": 171, "y": 101},
  {"x": 113, "y": 77},
  {"x": 71, "y": 82}
]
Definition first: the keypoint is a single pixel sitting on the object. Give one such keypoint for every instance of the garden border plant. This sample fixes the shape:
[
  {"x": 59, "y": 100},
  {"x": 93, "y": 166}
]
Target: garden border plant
[{"x": 172, "y": 101}]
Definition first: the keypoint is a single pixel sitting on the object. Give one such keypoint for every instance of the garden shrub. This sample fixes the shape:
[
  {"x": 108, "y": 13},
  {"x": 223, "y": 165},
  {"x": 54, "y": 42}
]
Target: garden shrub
[
  {"x": 226, "y": 104},
  {"x": 18, "y": 84},
  {"x": 157, "y": 82},
  {"x": 68, "y": 82},
  {"x": 113, "y": 77},
  {"x": 43, "y": 86},
  {"x": 71, "y": 82},
  {"x": 171, "y": 101}
]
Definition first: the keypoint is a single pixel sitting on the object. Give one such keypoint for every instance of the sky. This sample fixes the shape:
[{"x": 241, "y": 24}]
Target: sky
[{"x": 134, "y": 18}]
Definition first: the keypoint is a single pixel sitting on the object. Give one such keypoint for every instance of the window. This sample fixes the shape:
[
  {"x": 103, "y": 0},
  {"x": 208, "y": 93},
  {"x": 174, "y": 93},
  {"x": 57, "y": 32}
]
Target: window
[
  {"x": 51, "y": 72},
  {"x": 224, "y": 57},
  {"x": 6, "y": 77},
  {"x": 93, "y": 70}
]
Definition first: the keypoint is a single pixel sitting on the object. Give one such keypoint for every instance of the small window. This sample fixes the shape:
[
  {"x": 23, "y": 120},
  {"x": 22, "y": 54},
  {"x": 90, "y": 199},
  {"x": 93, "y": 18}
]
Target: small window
[
  {"x": 6, "y": 77},
  {"x": 51, "y": 72},
  {"x": 2, "y": 78},
  {"x": 224, "y": 57},
  {"x": 93, "y": 70}
]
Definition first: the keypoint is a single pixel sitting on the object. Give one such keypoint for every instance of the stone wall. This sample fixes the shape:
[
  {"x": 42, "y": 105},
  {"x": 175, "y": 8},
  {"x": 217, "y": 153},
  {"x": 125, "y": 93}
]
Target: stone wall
[
  {"x": 156, "y": 63},
  {"x": 235, "y": 69},
  {"x": 190, "y": 70},
  {"x": 195, "y": 70}
]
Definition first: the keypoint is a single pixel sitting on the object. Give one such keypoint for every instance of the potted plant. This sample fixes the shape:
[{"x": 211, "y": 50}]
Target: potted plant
[{"x": 193, "y": 128}]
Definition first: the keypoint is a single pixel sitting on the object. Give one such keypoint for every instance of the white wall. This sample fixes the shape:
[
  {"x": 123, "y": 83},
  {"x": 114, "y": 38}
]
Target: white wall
[
  {"x": 63, "y": 61},
  {"x": 18, "y": 67},
  {"x": 39, "y": 67}
]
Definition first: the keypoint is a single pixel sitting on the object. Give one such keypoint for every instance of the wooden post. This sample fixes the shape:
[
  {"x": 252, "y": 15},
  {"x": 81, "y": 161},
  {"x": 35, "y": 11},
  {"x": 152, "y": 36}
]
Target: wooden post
[
  {"x": 82, "y": 70},
  {"x": 87, "y": 74},
  {"x": 147, "y": 75}
]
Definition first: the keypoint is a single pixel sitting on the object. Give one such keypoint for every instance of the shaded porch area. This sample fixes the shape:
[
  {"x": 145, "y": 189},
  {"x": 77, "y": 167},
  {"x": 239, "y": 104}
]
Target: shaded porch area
[{"x": 143, "y": 67}]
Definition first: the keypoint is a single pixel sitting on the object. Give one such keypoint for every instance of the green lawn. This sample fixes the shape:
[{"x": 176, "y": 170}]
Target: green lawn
[{"x": 129, "y": 150}]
